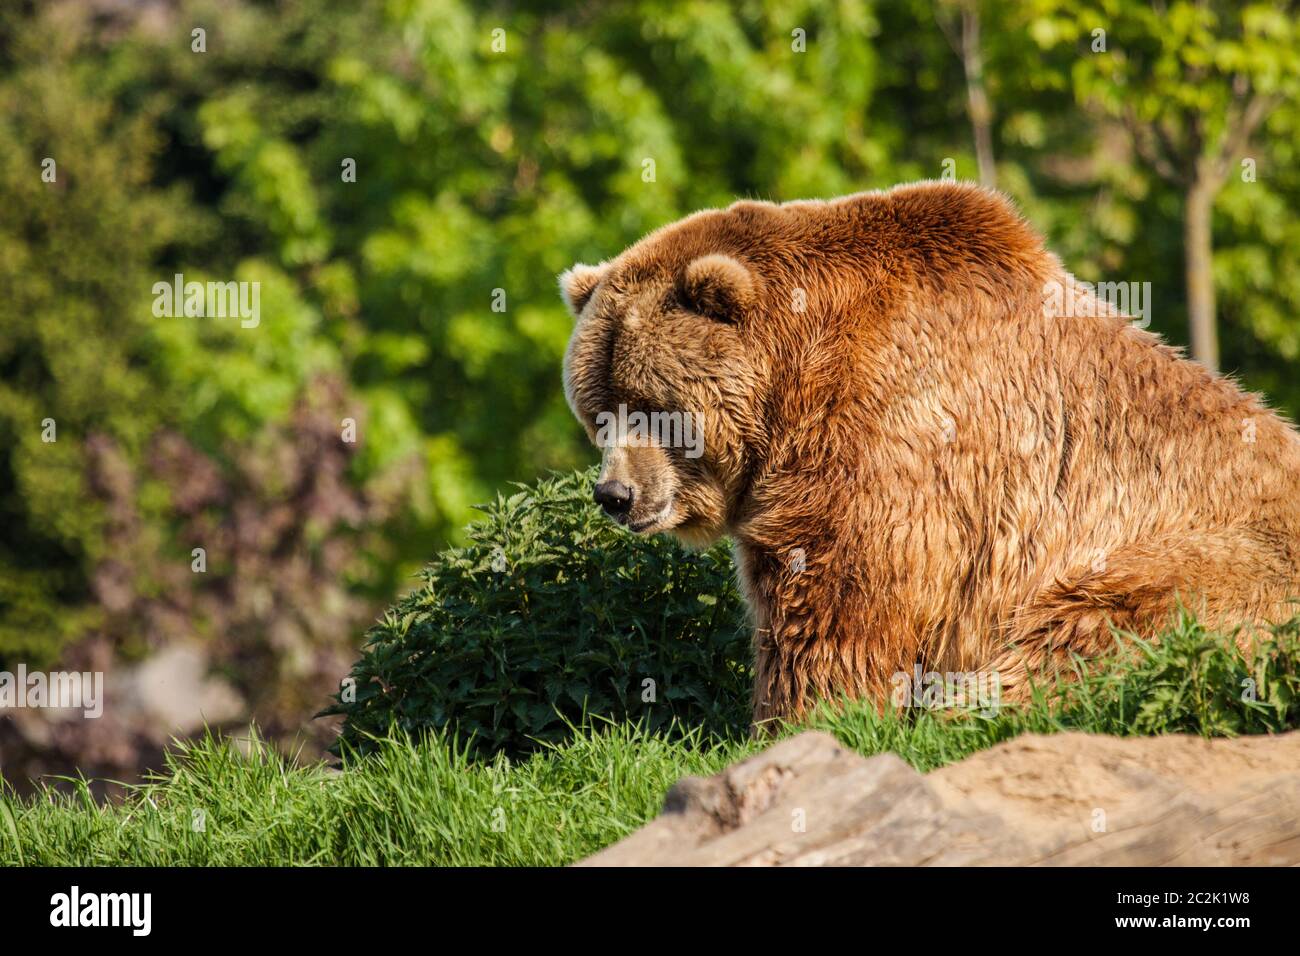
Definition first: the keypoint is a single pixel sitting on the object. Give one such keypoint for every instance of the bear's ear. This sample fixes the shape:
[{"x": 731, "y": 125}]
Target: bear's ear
[
  {"x": 577, "y": 285},
  {"x": 720, "y": 287}
]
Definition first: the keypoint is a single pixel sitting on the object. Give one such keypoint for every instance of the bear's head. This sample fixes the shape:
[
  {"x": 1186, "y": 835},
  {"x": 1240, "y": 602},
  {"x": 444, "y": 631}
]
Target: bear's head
[
  {"x": 740, "y": 345},
  {"x": 666, "y": 372}
]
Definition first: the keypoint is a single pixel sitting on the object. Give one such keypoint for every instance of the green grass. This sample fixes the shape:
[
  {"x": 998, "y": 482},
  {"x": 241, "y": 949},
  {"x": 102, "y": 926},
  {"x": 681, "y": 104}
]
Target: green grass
[{"x": 430, "y": 803}]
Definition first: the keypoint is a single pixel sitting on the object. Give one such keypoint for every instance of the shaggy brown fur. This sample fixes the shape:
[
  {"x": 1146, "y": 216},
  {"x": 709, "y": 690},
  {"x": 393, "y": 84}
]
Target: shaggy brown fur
[{"x": 920, "y": 459}]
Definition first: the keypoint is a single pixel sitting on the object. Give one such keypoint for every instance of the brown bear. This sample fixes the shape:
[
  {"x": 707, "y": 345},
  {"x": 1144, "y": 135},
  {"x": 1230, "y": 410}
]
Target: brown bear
[{"x": 930, "y": 445}]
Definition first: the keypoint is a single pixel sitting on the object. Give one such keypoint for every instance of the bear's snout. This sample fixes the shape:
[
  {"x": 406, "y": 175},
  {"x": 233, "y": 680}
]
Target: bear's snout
[{"x": 614, "y": 496}]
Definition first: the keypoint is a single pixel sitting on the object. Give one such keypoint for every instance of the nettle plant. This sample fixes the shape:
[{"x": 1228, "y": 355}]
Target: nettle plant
[{"x": 552, "y": 615}]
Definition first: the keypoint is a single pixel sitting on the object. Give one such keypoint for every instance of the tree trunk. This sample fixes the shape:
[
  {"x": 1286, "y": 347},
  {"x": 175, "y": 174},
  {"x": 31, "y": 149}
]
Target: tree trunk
[
  {"x": 981, "y": 112},
  {"x": 1198, "y": 245}
]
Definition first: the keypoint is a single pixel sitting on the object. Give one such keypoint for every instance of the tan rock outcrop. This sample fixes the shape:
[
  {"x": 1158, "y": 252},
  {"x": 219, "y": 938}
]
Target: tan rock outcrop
[{"x": 1063, "y": 799}]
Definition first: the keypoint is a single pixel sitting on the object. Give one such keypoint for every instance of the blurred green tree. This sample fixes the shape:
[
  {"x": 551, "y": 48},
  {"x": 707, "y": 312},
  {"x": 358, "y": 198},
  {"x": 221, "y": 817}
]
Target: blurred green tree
[
  {"x": 1192, "y": 83},
  {"x": 405, "y": 179},
  {"x": 81, "y": 228}
]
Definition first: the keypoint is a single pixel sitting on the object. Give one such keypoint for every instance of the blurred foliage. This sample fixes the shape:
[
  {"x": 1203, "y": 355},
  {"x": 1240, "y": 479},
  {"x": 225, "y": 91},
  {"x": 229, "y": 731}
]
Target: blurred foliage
[
  {"x": 494, "y": 144},
  {"x": 1207, "y": 94},
  {"x": 549, "y": 616}
]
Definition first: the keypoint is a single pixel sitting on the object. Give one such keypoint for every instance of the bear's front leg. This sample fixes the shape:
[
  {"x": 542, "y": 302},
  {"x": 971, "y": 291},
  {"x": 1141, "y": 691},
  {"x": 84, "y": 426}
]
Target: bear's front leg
[
  {"x": 774, "y": 694},
  {"x": 794, "y": 672}
]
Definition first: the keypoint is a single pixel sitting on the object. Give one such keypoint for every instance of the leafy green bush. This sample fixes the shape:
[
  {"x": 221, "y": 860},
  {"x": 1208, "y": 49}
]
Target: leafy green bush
[
  {"x": 1192, "y": 680},
  {"x": 552, "y": 611}
]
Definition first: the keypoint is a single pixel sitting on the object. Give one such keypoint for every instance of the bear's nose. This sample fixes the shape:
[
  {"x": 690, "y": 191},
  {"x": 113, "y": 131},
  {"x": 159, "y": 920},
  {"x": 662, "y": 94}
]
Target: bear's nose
[{"x": 614, "y": 496}]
